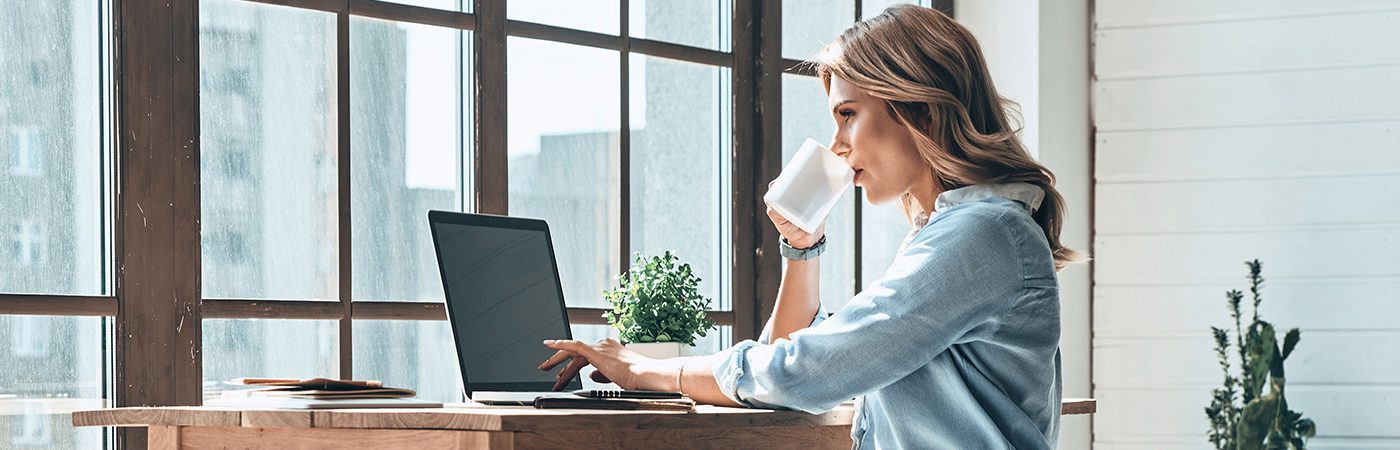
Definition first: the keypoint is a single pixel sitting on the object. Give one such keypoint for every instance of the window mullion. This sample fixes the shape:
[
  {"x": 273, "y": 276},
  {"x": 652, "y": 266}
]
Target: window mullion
[
  {"x": 344, "y": 272},
  {"x": 624, "y": 145},
  {"x": 489, "y": 56}
]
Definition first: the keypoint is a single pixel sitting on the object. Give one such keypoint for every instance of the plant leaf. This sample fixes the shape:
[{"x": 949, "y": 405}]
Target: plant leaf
[{"x": 1290, "y": 340}]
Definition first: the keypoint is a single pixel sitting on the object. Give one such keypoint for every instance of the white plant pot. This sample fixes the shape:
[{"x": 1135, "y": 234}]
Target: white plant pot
[{"x": 661, "y": 350}]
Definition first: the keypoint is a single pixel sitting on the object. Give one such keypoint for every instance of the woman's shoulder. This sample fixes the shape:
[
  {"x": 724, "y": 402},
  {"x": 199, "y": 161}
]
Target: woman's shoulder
[
  {"x": 991, "y": 225},
  {"x": 986, "y": 218}
]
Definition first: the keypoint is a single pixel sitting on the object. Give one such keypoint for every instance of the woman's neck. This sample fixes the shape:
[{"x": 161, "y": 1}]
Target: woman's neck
[{"x": 925, "y": 194}]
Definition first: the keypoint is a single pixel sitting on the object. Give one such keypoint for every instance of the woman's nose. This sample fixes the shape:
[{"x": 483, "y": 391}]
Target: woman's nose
[{"x": 839, "y": 148}]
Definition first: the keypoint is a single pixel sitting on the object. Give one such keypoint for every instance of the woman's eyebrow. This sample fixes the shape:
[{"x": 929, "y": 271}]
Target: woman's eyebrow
[{"x": 838, "y": 105}]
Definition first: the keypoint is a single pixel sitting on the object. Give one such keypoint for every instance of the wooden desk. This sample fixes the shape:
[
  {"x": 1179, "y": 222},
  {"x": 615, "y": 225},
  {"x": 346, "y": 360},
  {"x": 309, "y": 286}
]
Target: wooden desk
[{"x": 496, "y": 427}]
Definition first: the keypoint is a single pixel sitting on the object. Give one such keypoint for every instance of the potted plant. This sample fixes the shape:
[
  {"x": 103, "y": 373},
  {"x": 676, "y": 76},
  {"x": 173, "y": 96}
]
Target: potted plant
[
  {"x": 1260, "y": 419},
  {"x": 657, "y": 308}
]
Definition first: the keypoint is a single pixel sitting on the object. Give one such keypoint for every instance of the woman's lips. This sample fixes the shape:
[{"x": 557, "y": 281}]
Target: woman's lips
[{"x": 856, "y": 180}]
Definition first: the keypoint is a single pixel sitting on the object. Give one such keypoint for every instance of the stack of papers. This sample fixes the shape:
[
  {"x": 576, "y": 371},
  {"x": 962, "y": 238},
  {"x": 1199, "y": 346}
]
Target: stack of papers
[
  {"x": 317, "y": 393},
  {"x": 321, "y": 388}
]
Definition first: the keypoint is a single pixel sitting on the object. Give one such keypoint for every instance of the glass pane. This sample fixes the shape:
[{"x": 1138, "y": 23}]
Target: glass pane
[
  {"x": 599, "y": 16},
  {"x": 235, "y": 348},
  {"x": 407, "y": 130},
  {"x": 51, "y": 149},
  {"x": 805, "y": 115},
  {"x": 702, "y": 24},
  {"x": 680, "y": 119},
  {"x": 563, "y": 150},
  {"x": 52, "y": 367},
  {"x": 268, "y": 156},
  {"x": 883, "y": 229},
  {"x": 809, "y": 25},
  {"x": 413, "y": 354}
]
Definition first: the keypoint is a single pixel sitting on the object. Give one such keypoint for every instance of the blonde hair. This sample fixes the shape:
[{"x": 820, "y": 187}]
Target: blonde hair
[{"x": 931, "y": 75}]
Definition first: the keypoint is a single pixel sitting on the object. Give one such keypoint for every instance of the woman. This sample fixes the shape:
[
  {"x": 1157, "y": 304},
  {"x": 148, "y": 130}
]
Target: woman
[{"x": 957, "y": 345}]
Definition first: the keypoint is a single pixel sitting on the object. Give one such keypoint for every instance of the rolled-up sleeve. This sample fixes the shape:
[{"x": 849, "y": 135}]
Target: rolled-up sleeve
[{"x": 955, "y": 275}]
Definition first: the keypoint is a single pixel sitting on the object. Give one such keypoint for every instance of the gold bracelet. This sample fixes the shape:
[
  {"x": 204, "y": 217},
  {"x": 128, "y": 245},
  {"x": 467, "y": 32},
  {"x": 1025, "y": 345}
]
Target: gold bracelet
[{"x": 680, "y": 374}]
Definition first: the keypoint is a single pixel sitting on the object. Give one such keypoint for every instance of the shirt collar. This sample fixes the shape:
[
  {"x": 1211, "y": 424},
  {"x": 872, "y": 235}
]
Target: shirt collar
[{"x": 1028, "y": 194}]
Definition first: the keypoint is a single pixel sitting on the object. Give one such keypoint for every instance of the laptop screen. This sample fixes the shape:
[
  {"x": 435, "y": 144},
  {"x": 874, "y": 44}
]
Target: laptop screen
[{"x": 503, "y": 298}]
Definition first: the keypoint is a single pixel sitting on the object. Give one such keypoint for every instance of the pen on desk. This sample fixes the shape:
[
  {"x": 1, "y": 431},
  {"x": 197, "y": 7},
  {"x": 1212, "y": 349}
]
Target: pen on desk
[{"x": 597, "y": 393}]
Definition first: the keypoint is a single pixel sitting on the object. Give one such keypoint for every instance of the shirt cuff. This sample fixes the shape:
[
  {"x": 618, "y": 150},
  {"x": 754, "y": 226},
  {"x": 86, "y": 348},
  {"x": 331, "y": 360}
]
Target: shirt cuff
[{"x": 731, "y": 371}]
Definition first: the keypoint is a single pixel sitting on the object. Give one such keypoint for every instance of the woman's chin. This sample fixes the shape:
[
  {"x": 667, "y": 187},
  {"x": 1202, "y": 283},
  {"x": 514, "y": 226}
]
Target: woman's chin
[{"x": 876, "y": 197}]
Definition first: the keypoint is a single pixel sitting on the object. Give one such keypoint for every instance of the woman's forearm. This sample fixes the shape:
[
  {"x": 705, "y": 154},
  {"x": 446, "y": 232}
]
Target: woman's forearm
[
  {"x": 693, "y": 376},
  {"x": 799, "y": 296}
]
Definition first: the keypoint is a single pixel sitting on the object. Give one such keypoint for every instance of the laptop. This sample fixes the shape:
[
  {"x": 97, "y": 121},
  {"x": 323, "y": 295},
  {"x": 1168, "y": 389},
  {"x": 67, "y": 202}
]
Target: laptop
[{"x": 503, "y": 297}]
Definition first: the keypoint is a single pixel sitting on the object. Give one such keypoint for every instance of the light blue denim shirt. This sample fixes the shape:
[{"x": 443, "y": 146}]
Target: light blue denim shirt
[{"x": 956, "y": 346}]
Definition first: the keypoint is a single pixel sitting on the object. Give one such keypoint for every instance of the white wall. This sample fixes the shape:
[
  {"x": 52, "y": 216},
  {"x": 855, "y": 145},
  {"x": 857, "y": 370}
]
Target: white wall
[
  {"x": 1038, "y": 53},
  {"x": 1233, "y": 130}
]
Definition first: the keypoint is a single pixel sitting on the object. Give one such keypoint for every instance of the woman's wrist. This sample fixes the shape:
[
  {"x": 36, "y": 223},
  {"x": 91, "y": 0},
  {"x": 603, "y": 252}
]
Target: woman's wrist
[
  {"x": 660, "y": 375},
  {"x": 801, "y": 252}
]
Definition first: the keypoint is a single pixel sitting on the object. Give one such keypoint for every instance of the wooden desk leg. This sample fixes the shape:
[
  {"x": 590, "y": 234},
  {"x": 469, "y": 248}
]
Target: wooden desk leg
[{"x": 162, "y": 438}]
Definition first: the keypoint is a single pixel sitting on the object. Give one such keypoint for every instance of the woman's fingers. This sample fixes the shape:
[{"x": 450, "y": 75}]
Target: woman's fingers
[
  {"x": 565, "y": 376},
  {"x": 576, "y": 347},
  {"x": 557, "y": 358}
]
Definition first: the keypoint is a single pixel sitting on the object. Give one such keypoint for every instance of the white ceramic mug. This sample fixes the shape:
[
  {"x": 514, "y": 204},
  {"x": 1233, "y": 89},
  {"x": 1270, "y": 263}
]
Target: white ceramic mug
[{"x": 809, "y": 186}]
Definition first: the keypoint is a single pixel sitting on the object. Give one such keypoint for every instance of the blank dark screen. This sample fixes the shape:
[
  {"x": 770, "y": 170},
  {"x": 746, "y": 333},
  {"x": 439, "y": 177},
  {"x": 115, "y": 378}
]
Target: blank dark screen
[{"x": 505, "y": 300}]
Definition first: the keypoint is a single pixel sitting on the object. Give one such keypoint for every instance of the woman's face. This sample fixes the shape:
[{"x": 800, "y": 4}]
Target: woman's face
[{"x": 879, "y": 149}]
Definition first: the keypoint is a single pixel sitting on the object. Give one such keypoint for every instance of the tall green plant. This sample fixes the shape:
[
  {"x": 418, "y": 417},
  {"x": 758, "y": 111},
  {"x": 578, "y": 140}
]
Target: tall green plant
[
  {"x": 1260, "y": 420},
  {"x": 658, "y": 301}
]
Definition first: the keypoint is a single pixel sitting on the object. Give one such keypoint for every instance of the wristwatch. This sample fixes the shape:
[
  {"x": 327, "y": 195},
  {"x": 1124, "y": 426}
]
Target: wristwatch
[{"x": 801, "y": 254}]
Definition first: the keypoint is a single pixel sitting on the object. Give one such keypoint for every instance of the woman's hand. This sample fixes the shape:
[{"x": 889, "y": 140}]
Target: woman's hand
[
  {"x": 614, "y": 362},
  {"x": 794, "y": 235}
]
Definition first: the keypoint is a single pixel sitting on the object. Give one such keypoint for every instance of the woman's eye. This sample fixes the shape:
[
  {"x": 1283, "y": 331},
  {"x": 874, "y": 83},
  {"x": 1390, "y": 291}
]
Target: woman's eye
[{"x": 847, "y": 113}]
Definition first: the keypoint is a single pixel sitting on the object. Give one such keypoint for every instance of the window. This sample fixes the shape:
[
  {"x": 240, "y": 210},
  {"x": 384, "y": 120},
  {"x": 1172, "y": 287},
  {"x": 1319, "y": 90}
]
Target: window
[
  {"x": 681, "y": 162},
  {"x": 564, "y": 150},
  {"x": 322, "y": 171},
  {"x": 30, "y": 336},
  {"x": 409, "y": 131},
  {"x": 277, "y": 348},
  {"x": 53, "y": 366},
  {"x": 26, "y": 158},
  {"x": 410, "y": 123},
  {"x": 33, "y": 429},
  {"x": 28, "y": 244},
  {"x": 54, "y": 180},
  {"x": 274, "y": 198},
  {"x": 586, "y": 15}
]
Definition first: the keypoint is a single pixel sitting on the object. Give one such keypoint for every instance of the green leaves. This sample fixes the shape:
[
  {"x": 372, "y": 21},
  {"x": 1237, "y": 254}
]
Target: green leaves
[
  {"x": 658, "y": 301},
  {"x": 1264, "y": 420},
  {"x": 1255, "y": 422},
  {"x": 1261, "y": 348},
  {"x": 1290, "y": 340}
]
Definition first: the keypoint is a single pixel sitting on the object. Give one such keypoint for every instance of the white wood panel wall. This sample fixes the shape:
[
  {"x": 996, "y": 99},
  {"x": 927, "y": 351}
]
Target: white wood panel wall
[{"x": 1233, "y": 130}]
